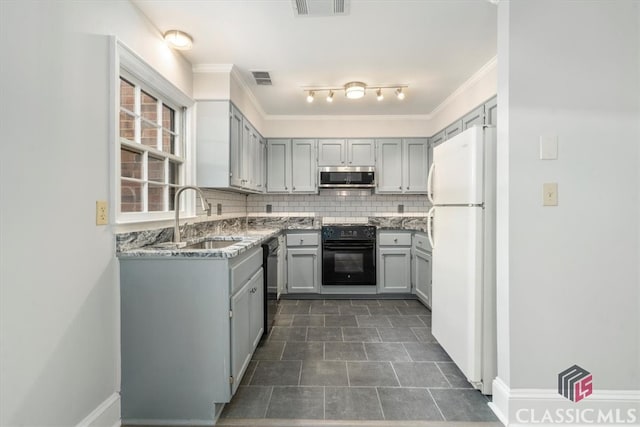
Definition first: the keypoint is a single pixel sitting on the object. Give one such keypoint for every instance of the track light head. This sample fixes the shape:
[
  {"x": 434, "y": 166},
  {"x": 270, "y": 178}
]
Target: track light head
[
  {"x": 400, "y": 93},
  {"x": 310, "y": 96},
  {"x": 379, "y": 95},
  {"x": 330, "y": 96}
]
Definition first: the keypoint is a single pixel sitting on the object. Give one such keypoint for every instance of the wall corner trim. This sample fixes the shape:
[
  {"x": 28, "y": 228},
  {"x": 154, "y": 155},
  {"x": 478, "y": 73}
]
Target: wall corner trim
[{"x": 105, "y": 414}]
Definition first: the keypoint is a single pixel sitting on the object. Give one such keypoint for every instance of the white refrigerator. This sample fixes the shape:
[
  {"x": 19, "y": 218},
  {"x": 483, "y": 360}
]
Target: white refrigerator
[{"x": 462, "y": 233}]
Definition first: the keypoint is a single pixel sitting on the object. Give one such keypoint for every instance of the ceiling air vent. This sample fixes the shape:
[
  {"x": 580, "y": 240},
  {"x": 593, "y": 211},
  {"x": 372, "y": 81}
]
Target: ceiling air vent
[
  {"x": 320, "y": 7},
  {"x": 262, "y": 78}
]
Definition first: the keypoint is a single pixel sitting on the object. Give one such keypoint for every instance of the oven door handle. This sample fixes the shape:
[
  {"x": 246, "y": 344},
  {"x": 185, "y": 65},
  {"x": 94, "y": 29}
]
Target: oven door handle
[{"x": 358, "y": 247}]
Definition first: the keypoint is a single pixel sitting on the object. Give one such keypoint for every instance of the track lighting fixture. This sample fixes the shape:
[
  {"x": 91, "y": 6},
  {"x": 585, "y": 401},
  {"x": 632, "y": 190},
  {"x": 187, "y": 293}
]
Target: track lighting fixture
[
  {"x": 354, "y": 90},
  {"x": 330, "y": 96}
]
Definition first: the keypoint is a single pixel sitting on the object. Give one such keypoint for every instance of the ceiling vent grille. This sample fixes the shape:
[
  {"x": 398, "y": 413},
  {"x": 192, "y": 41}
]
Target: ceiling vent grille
[
  {"x": 262, "y": 78},
  {"x": 320, "y": 7}
]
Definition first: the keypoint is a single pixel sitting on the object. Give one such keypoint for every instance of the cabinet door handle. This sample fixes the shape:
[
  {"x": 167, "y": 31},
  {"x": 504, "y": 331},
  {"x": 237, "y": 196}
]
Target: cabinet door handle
[
  {"x": 395, "y": 240},
  {"x": 285, "y": 187},
  {"x": 301, "y": 240},
  {"x": 400, "y": 187},
  {"x": 293, "y": 188},
  {"x": 407, "y": 188}
]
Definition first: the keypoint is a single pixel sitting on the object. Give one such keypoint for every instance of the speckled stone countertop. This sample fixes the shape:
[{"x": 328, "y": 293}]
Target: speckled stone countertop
[{"x": 248, "y": 232}]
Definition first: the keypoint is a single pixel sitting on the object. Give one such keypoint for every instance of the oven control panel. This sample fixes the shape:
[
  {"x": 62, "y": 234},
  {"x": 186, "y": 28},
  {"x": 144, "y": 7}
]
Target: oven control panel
[{"x": 348, "y": 232}]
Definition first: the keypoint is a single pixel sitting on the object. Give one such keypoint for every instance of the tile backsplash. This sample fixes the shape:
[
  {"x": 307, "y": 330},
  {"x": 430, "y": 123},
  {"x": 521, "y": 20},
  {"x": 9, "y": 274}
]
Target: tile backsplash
[{"x": 331, "y": 205}]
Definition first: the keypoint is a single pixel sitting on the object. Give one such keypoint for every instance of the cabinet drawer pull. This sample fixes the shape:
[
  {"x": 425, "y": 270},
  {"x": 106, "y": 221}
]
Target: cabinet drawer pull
[
  {"x": 395, "y": 240},
  {"x": 400, "y": 188}
]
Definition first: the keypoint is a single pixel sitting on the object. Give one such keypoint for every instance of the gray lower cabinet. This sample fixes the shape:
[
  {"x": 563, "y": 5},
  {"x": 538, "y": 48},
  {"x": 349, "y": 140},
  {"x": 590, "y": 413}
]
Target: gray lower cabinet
[
  {"x": 303, "y": 262},
  {"x": 187, "y": 326},
  {"x": 394, "y": 262},
  {"x": 421, "y": 268}
]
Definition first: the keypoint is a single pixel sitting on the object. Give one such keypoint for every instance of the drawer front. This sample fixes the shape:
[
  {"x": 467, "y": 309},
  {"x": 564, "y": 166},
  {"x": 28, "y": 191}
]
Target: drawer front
[
  {"x": 243, "y": 270},
  {"x": 302, "y": 239},
  {"x": 422, "y": 242},
  {"x": 394, "y": 239}
]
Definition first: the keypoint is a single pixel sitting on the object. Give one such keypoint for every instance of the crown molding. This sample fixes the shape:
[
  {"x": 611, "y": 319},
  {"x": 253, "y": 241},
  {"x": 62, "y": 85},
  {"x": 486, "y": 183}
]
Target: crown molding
[
  {"x": 236, "y": 74},
  {"x": 368, "y": 117},
  {"x": 478, "y": 75}
]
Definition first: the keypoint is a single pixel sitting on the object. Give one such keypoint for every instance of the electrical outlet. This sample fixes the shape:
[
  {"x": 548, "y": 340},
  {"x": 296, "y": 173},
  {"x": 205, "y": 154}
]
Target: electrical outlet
[
  {"x": 102, "y": 212},
  {"x": 219, "y": 209},
  {"x": 400, "y": 208},
  {"x": 550, "y": 194}
]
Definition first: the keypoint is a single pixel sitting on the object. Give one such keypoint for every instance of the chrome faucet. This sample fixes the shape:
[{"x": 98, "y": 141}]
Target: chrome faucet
[{"x": 176, "y": 205}]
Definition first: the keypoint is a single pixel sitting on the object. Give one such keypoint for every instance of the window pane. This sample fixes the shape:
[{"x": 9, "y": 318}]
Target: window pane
[
  {"x": 168, "y": 118},
  {"x": 156, "y": 198},
  {"x": 172, "y": 195},
  {"x": 174, "y": 172},
  {"x": 127, "y": 95},
  {"x": 149, "y": 135},
  {"x": 156, "y": 169},
  {"x": 168, "y": 142},
  {"x": 148, "y": 107},
  {"x": 130, "y": 164},
  {"x": 127, "y": 126},
  {"x": 130, "y": 196}
]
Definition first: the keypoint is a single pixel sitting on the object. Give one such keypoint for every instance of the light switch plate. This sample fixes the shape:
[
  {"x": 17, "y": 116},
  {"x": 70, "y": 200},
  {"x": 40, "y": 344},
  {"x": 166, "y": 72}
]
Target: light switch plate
[
  {"x": 550, "y": 194},
  {"x": 548, "y": 147},
  {"x": 102, "y": 212}
]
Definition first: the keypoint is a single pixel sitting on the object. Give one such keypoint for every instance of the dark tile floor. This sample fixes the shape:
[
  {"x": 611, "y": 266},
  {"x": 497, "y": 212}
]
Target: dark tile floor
[{"x": 355, "y": 360}]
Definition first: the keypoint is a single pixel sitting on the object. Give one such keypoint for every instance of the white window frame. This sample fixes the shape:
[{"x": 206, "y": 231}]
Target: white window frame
[{"x": 133, "y": 68}]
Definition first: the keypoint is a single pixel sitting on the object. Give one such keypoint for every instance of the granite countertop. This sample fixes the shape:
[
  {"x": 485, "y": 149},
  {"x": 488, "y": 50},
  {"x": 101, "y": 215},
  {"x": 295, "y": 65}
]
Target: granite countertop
[{"x": 244, "y": 241}]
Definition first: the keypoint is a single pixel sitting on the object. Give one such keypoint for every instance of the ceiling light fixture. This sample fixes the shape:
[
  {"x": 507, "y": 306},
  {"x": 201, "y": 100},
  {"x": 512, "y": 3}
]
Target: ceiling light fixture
[
  {"x": 310, "y": 96},
  {"x": 178, "y": 39},
  {"x": 354, "y": 90},
  {"x": 330, "y": 96}
]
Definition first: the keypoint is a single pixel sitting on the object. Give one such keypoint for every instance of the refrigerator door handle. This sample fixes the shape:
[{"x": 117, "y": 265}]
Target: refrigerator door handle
[
  {"x": 429, "y": 230},
  {"x": 430, "y": 183}
]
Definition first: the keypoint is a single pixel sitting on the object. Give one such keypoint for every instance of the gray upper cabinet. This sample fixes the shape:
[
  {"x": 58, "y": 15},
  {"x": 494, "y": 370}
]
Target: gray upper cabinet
[
  {"x": 389, "y": 165},
  {"x": 331, "y": 152},
  {"x": 415, "y": 165},
  {"x": 474, "y": 117},
  {"x": 351, "y": 152},
  {"x": 361, "y": 152},
  {"x": 453, "y": 129},
  {"x": 303, "y": 166},
  {"x": 491, "y": 111},
  {"x": 437, "y": 138},
  {"x": 228, "y": 148},
  {"x": 279, "y": 165},
  {"x": 402, "y": 165}
]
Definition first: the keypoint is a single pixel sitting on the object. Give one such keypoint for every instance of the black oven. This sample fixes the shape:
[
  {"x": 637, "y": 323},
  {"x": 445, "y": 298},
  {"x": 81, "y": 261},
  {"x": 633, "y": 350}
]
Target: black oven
[{"x": 349, "y": 255}]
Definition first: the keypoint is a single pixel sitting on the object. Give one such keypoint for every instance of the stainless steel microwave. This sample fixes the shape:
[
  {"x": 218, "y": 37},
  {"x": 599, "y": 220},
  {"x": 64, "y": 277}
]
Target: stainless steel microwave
[{"x": 347, "y": 177}]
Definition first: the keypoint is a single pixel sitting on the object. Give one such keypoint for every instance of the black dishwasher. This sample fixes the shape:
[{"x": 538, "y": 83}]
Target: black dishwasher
[{"x": 270, "y": 267}]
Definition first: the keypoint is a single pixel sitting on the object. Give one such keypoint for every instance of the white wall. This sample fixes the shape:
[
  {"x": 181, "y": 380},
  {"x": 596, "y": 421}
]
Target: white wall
[
  {"x": 569, "y": 274},
  {"x": 59, "y": 321}
]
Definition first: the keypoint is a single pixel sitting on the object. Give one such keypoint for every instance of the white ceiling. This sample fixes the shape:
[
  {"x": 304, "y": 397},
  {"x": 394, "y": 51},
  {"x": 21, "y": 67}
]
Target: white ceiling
[{"x": 433, "y": 46}]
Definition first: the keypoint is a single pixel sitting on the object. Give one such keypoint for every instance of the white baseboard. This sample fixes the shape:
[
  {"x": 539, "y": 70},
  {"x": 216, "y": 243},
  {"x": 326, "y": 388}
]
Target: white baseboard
[
  {"x": 107, "y": 414},
  {"x": 545, "y": 407}
]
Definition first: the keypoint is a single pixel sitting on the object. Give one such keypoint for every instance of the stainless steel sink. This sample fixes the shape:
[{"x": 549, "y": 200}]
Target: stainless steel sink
[{"x": 211, "y": 244}]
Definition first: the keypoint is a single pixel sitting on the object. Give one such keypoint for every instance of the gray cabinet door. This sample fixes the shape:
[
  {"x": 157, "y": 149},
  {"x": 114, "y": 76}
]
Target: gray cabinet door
[
  {"x": 240, "y": 335},
  {"x": 302, "y": 270},
  {"x": 256, "y": 309},
  {"x": 437, "y": 139},
  {"x": 491, "y": 111},
  {"x": 453, "y": 129},
  {"x": 389, "y": 166},
  {"x": 331, "y": 152},
  {"x": 422, "y": 276},
  {"x": 394, "y": 270},
  {"x": 303, "y": 166},
  {"x": 235, "y": 160},
  {"x": 262, "y": 166},
  {"x": 415, "y": 165},
  {"x": 361, "y": 152},
  {"x": 245, "y": 153},
  {"x": 474, "y": 117},
  {"x": 278, "y": 166}
]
